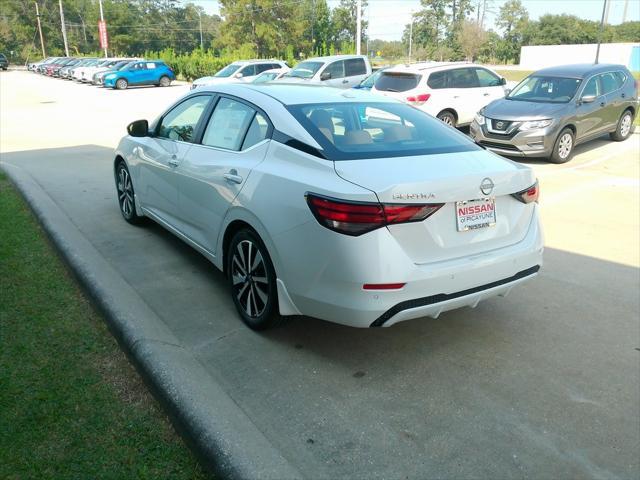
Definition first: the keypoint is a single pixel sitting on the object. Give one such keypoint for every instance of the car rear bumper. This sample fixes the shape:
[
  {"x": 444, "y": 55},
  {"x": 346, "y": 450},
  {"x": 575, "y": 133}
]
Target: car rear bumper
[
  {"x": 534, "y": 143},
  {"x": 430, "y": 289}
]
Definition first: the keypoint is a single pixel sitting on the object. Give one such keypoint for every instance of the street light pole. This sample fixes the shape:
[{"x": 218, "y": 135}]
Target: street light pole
[
  {"x": 200, "y": 18},
  {"x": 102, "y": 20},
  {"x": 64, "y": 29},
  {"x": 358, "y": 26},
  {"x": 604, "y": 11}
]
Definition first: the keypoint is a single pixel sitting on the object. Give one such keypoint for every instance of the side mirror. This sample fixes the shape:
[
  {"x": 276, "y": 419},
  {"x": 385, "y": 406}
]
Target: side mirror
[
  {"x": 503, "y": 81},
  {"x": 238, "y": 75},
  {"x": 588, "y": 99},
  {"x": 139, "y": 128},
  {"x": 325, "y": 76}
]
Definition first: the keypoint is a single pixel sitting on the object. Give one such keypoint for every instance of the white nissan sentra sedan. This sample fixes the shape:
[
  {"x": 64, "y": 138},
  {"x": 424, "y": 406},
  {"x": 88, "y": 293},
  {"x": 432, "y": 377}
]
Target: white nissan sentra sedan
[{"x": 335, "y": 204}]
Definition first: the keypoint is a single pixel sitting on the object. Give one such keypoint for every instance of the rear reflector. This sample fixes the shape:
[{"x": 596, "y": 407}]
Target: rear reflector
[
  {"x": 528, "y": 195},
  {"x": 383, "y": 286},
  {"x": 418, "y": 99},
  {"x": 356, "y": 218}
]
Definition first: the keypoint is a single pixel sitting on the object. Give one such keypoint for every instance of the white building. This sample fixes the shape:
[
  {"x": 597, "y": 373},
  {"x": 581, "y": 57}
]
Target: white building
[{"x": 541, "y": 56}]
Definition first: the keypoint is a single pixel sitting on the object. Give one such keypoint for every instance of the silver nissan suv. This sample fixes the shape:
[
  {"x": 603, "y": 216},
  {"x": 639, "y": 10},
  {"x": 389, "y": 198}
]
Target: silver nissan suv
[{"x": 554, "y": 109}]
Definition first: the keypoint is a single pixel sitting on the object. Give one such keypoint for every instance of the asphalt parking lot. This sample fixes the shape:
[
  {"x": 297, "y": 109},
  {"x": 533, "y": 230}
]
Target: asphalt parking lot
[{"x": 542, "y": 383}]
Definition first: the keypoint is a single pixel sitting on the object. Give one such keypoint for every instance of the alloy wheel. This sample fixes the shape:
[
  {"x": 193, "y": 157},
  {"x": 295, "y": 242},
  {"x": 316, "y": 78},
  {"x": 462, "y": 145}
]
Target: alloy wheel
[
  {"x": 250, "y": 278},
  {"x": 625, "y": 125},
  {"x": 564, "y": 145},
  {"x": 447, "y": 120},
  {"x": 125, "y": 192}
]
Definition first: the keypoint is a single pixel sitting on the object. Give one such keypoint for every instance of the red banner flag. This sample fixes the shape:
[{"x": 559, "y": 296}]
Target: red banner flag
[{"x": 102, "y": 29}]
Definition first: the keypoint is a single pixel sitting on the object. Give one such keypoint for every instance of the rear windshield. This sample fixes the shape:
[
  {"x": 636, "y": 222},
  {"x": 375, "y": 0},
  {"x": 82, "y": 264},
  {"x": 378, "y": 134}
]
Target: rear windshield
[
  {"x": 397, "y": 81},
  {"x": 543, "y": 89},
  {"x": 354, "y": 131}
]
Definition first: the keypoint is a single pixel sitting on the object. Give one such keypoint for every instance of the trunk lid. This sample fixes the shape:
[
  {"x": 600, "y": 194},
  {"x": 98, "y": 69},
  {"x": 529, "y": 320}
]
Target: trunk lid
[{"x": 447, "y": 178}]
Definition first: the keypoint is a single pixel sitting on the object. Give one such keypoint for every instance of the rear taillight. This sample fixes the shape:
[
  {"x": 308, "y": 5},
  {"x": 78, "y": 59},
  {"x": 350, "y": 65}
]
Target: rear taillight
[
  {"x": 356, "y": 218},
  {"x": 418, "y": 99},
  {"x": 528, "y": 195}
]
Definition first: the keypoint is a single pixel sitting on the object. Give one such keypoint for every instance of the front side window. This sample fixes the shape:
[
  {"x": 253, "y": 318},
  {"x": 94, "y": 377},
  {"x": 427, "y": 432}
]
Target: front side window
[
  {"x": 305, "y": 69},
  {"x": 543, "y": 89},
  {"x": 487, "y": 78},
  {"x": 355, "y": 66},
  {"x": 610, "y": 82},
  {"x": 228, "y": 124},
  {"x": 180, "y": 123},
  {"x": 365, "y": 130},
  {"x": 592, "y": 88},
  {"x": 248, "y": 71},
  {"x": 336, "y": 69}
]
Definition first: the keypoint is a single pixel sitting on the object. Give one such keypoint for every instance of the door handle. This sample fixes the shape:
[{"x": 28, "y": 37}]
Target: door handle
[
  {"x": 233, "y": 176},
  {"x": 345, "y": 81},
  {"x": 456, "y": 96},
  {"x": 173, "y": 161},
  {"x": 602, "y": 104},
  {"x": 485, "y": 94}
]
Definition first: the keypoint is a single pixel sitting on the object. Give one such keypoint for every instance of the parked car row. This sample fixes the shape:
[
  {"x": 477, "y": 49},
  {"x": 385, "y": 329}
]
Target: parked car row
[
  {"x": 546, "y": 115},
  {"x": 4, "y": 63},
  {"x": 117, "y": 73}
]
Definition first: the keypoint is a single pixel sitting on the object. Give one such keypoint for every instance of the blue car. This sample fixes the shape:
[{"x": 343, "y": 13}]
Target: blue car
[
  {"x": 367, "y": 83},
  {"x": 147, "y": 72}
]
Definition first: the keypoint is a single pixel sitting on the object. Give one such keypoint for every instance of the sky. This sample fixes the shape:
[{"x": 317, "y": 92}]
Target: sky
[{"x": 387, "y": 18}]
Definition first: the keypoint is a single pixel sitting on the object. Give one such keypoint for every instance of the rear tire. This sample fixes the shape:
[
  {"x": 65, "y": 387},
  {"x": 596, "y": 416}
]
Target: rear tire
[
  {"x": 447, "y": 118},
  {"x": 625, "y": 127},
  {"x": 121, "y": 84},
  {"x": 164, "y": 81},
  {"x": 252, "y": 281},
  {"x": 563, "y": 147}
]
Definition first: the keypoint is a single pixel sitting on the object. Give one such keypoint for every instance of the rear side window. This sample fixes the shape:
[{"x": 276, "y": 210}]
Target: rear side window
[
  {"x": 258, "y": 130},
  {"x": 621, "y": 76},
  {"x": 228, "y": 124},
  {"x": 263, "y": 67},
  {"x": 248, "y": 71},
  {"x": 610, "y": 82},
  {"x": 151, "y": 65},
  {"x": 462, "y": 78},
  {"x": 355, "y": 66},
  {"x": 437, "y": 80},
  {"x": 365, "y": 130},
  {"x": 397, "y": 81},
  {"x": 180, "y": 123}
]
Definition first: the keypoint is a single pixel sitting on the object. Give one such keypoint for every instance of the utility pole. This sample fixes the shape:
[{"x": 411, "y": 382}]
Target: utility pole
[
  {"x": 105, "y": 26},
  {"x": 200, "y": 18},
  {"x": 40, "y": 30},
  {"x": 605, "y": 9},
  {"x": 410, "y": 36},
  {"x": 64, "y": 29},
  {"x": 606, "y": 15},
  {"x": 358, "y": 26}
]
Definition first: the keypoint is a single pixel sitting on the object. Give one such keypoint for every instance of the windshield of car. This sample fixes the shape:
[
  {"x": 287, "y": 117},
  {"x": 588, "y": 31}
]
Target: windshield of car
[
  {"x": 545, "y": 89},
  {"x": 365, "y": 130},
  {"x": 126, "y": 64},
  {"x": 305, "y": 70},
  {"x": 227, "y": 71}
]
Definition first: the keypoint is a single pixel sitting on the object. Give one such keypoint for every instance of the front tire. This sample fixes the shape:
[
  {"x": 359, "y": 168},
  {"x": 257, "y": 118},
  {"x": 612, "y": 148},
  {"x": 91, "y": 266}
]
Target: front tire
[
  {"x": 447, "y": 118},
  {"x": 624, "y": 128},
  {"x": 252, "y": 280},
  {"x": 121, "y": 84},
  {"x": 126, "y": 195},
  {"x": 563, "y": 148}
]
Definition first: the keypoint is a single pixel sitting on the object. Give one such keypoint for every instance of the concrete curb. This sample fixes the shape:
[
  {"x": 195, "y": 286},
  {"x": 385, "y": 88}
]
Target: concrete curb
[{"x": 219, "y": 432}]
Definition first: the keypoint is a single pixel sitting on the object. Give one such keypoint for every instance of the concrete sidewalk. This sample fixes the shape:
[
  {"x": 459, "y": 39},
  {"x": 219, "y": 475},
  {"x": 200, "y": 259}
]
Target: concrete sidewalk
[{"x": 540, "y": 384}]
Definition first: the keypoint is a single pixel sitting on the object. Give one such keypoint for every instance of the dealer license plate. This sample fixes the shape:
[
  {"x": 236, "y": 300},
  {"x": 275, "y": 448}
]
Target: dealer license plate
[{"x": 474, "y": 214}]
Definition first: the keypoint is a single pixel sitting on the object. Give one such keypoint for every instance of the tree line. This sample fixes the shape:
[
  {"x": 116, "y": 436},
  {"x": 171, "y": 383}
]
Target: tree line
[{"x": 290, "y": 29}]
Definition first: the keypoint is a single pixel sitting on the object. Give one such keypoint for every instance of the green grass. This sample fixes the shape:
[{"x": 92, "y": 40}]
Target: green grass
[
  {"x": 514, "y": 75},
  {"x": 71, "y": 406}
]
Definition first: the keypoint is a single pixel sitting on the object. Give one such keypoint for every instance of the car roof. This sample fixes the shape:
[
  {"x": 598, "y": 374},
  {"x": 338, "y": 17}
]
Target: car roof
[
  {"x": 297, "y": 94},
  {"x": 578, "y": 70},
  {"x": 424, "y": 67},
  {"x": 331, "y": 58},
  {"x": 247, "y": 62}
]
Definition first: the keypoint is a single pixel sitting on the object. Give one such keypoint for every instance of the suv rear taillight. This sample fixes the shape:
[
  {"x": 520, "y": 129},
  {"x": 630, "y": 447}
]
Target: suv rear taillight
[
  {"x": 356, "y": 218},
  {"x": 418, "y": 99},
  {"x": 528, "y": 195}
]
